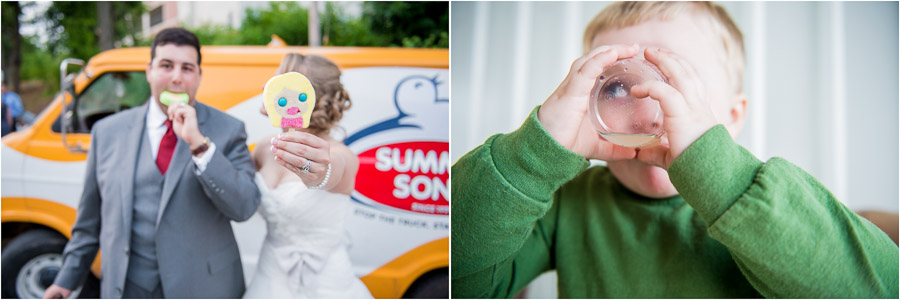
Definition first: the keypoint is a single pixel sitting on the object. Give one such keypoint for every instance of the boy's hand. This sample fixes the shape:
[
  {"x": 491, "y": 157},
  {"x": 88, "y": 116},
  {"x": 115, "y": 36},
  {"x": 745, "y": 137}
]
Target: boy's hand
[
  {"x": 687, "y": 114},
  {"x": 563, "y": 113}
]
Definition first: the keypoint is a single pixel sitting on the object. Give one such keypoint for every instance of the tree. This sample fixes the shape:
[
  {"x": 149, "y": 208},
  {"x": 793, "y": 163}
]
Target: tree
[
  {"x": 12, "y": 47},
  {"x": 413, "y": 24},
  {"x": 105, "y": 28},
  {"x": 409, "y": 23},
  {"x": 286, "y": 19},
  {"x": 341, "y": 30},
  {"x": 76, "y": 26}
]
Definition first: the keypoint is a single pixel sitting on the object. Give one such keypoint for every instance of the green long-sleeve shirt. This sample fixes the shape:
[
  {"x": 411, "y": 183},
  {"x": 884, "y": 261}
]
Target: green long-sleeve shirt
[{"x": 522, "y": 204}]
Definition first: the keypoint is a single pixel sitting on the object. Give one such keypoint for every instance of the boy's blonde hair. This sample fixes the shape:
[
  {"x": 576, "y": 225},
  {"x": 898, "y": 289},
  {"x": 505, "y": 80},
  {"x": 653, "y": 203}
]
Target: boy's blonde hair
[{"x": 619, "y": 15}]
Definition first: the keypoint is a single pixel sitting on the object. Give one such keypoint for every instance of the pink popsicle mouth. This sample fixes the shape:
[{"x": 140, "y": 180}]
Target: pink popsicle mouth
[{"x": 293, "y": 110}]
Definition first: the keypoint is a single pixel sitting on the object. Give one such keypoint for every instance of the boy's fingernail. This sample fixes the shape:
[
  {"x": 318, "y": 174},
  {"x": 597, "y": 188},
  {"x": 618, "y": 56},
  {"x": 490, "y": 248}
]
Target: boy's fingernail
[
  {"x": 280, "y": 135},
  {"x": 273, "y": 149},
  {"x": 272, "y": 141}
]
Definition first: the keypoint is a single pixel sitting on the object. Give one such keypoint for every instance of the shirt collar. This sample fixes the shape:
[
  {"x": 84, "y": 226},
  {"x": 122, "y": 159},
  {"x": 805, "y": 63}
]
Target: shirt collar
[{"x": 156, "y": 117}]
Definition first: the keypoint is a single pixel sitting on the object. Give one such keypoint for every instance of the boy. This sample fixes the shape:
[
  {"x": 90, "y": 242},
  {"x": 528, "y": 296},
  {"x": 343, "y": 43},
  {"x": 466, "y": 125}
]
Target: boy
[{"x": 697, "y": 216}]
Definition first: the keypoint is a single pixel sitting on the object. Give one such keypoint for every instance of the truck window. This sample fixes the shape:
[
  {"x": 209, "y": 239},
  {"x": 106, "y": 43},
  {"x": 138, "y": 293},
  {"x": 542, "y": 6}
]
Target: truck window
[{"x": 110, "y": 93}]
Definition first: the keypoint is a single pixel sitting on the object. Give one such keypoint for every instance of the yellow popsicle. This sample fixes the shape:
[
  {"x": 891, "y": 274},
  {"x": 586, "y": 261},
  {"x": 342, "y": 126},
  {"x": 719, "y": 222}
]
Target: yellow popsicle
[{"x": 289, "y": 99}]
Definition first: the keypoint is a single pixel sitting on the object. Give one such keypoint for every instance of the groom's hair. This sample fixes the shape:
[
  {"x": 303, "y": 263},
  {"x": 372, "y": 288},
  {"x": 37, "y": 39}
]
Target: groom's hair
[{"x": 178, "y": 36}]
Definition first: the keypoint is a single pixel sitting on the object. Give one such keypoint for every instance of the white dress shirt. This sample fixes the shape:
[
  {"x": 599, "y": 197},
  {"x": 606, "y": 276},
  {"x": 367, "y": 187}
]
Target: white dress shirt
[{"x": 156, "y": 129}]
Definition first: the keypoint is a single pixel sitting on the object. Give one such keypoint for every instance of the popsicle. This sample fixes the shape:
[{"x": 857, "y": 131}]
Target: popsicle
[
  {"x": 289, "y": 99},
  {"x": 168, "y": 98}
]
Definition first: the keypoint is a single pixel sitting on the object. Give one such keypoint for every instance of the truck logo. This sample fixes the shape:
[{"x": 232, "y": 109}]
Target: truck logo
[{"x": 408, "y": 170}]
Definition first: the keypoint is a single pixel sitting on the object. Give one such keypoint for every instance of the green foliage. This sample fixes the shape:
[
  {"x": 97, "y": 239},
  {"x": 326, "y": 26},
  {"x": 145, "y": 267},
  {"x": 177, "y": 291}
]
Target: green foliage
[
  {"x": 410, "y": 24},
  {"x": 74, "y": 34},
  {"x": 75, "y": 26},
  {"x": 217, "y": 35},
  {"x": 440, "y": 40},
  {"x": 8, "y": 20},
  {"x": 73, "y": 30},
  {"x": 41, "y": 65},
  {"x": 383, "y": 24},
  {"x": 341, "y": 30},
  {"x": 286, "y": 19},
  {"x": 127, "y": 22}
]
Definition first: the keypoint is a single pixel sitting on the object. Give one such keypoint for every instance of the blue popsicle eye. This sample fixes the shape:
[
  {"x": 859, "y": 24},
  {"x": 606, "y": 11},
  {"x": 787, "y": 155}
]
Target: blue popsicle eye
[
  {"x": 282, "y": 101},
  {"x": 302, "y": 97}
]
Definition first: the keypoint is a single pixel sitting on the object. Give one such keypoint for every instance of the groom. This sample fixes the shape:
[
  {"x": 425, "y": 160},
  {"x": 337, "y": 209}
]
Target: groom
[{"x": 162, "y": 186}]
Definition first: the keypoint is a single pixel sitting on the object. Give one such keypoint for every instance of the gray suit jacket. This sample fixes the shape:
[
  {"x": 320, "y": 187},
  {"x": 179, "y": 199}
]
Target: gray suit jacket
[{"x": 195, "y": 246}]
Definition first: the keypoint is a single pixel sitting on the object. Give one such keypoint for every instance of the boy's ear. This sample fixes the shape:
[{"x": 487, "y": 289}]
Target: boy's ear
[{"x": 737, "y": 115}]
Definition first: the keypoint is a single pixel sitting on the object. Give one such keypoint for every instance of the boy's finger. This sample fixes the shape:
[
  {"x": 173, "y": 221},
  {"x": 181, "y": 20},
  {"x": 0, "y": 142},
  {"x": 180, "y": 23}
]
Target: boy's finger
[
  {"x": 678, "y": 76},
  {"x": 696, "y": 83},
  {"x": 670, "y": 100},
  {"x": 657, "y": 155},
  {"x": 584, "y": 58},
  {"x": 595, "y": 65},
  {"x": 578, "y": 63},
  {"x": 595, "y": 62},
  {"x": 608, "y": 151}
]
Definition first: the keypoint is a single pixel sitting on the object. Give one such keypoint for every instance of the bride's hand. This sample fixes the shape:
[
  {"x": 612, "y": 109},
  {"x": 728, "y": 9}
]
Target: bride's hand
[{"x": 295, "y": 149}]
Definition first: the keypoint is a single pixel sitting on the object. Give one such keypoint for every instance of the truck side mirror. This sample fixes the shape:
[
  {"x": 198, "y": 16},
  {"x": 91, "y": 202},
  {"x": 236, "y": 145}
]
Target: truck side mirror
[{"x": 66, "y": 86}]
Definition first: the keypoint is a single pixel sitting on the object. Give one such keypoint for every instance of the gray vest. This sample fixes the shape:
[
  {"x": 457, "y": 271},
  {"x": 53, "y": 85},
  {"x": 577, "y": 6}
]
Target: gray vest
[{"x": 148, "y": 184}]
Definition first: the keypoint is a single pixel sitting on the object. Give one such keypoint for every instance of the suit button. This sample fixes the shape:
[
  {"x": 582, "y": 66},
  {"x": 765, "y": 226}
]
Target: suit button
[{"x": 126, "y": 250}]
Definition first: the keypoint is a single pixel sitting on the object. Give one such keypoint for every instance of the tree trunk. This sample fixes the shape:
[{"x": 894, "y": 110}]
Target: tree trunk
[
  {"x": 105, "y": 25},
  {"x": 315, "y": 34},
  {"x": 14, "y": 59}
]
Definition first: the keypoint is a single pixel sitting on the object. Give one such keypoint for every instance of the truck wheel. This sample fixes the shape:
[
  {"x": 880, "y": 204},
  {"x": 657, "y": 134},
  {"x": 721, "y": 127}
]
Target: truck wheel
[
  {"x": 433, "y": 285},
  {"x": 31, "y": 262}
]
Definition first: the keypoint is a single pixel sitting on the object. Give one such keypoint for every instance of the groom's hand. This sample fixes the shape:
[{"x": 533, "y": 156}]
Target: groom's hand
[
  {"x": 184, "y": 124},
  {"x": 57, "y": 292}
]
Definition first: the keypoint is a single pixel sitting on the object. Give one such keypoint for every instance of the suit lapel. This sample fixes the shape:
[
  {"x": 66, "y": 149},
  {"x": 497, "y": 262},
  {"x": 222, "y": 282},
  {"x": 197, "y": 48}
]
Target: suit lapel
[
  {"x": 181, "y": 163},
  {"x": 134, "y": 139}
]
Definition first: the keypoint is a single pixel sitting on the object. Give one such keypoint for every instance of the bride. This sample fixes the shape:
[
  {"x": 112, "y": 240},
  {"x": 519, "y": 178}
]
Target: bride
[{"x": 306, "y": 178}]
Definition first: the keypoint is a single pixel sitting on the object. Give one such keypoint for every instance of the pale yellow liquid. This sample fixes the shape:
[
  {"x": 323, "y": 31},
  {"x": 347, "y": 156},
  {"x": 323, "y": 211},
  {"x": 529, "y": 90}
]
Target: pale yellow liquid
[{"x": 630, "y": 140}]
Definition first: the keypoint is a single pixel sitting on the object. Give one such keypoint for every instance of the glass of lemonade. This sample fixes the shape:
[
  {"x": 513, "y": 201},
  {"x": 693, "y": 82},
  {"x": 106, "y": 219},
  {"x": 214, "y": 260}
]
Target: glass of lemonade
[{"x": 619, "y": 117}]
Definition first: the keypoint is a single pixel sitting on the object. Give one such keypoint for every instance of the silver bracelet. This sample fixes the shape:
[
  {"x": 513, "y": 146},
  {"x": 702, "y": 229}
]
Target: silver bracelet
[{"x": 325, "y": 181}]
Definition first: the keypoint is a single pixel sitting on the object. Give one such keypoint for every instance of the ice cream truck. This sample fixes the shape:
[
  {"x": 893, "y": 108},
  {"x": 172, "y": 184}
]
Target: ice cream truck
[{"x": 398, "y": 126}]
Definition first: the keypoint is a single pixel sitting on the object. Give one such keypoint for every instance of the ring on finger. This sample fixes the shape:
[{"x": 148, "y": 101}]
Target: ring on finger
[{"x": 305, "y": 167}]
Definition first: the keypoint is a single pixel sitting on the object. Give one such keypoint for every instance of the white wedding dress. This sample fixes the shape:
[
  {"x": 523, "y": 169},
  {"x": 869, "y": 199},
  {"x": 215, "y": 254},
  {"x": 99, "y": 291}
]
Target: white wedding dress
[{"x": 304, "y": 254}]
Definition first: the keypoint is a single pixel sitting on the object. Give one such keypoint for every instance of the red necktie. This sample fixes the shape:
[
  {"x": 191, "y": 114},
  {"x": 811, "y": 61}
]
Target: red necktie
[{"x": 166, "y": 147}]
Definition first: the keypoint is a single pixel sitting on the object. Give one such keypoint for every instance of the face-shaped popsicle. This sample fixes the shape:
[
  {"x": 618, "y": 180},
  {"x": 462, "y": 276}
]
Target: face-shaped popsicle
[{"x": 289, "y": 99}]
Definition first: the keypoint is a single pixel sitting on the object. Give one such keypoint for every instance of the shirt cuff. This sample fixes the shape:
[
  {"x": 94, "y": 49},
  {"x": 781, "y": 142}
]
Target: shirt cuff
[
  {"x": 713, "y": 172},
  {"x": 203, "y": 160},
  {"x": 532, "y": 161}
]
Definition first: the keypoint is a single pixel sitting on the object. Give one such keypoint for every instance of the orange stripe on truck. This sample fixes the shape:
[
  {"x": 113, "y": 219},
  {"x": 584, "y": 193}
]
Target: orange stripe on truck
[{"x": 393, "y": 278}]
